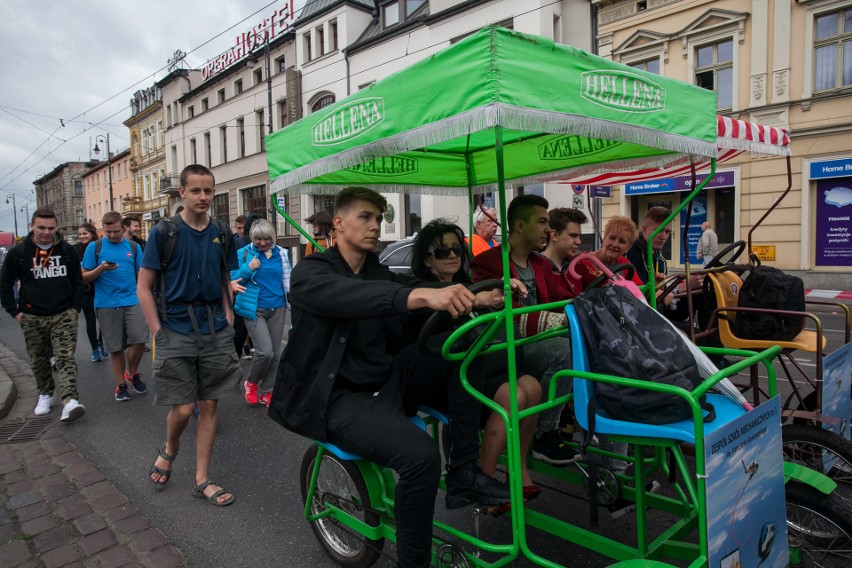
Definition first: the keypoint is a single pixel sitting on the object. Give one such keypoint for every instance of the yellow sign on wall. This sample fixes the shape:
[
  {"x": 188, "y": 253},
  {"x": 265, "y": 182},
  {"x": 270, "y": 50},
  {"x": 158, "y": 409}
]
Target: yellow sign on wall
[{"x": 764, "y": 252}]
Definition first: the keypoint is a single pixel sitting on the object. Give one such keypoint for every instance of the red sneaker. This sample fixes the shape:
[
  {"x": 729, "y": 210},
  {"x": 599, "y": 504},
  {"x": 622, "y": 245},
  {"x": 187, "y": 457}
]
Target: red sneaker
[
  {"x": 251, "y": 393},
  {"x": 265, "y": 398}
]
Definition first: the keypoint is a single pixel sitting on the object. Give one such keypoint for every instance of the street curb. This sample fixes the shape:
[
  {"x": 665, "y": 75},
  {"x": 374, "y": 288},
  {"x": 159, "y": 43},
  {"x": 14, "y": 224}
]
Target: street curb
[{"x": 8, "y": 394}]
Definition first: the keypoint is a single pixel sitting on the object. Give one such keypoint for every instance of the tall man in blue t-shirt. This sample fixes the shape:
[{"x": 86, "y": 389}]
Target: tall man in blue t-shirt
[
  {"x": 194, "y": 358},
  {"x": 112, "y": 264}
]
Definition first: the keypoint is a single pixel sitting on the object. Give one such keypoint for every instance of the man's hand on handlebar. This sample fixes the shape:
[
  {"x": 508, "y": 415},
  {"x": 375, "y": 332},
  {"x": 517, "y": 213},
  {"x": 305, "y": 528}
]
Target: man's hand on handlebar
[
  {"x": 494, "y": 298},
  {"x": 455, "y": 300}
]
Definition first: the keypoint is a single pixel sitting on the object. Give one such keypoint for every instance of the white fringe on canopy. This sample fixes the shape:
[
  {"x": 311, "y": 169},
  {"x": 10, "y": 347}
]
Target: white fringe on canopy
[{"x": 489, "y": 116}]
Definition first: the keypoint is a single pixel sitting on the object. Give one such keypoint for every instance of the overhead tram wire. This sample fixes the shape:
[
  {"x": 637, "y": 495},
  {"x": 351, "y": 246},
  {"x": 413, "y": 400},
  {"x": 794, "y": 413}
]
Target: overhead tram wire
[
  {"x": 234, "y": 100},
  {"x": 83, "y": 114}
]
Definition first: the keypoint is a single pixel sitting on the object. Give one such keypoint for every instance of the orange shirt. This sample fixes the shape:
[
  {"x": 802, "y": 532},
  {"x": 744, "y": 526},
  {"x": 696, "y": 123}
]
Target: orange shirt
[{"x": 480, "y": 245}]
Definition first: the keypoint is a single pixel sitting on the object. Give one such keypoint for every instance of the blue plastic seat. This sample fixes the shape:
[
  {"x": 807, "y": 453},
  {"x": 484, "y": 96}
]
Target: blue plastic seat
[
  {"x": 436, "y": 414},
  {"x": 344, "y": 455},
  {"x": 584, "y": 390}
]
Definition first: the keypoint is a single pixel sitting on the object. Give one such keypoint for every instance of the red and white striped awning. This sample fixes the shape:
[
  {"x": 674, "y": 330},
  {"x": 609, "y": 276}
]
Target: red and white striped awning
[{"x": 733, "y": 138}]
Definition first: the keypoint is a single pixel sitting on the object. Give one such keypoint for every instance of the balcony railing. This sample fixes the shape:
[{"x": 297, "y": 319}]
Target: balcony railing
[{"x": 169, "y": 185}]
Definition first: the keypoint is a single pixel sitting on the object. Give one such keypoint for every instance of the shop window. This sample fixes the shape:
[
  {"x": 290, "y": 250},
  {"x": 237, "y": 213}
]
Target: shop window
[
  {"x": 714, "y": 71},
  {"x": 833, "y": 50},
  {"x": 254, "y": 200},
  {"x": 415, "y": 214}
]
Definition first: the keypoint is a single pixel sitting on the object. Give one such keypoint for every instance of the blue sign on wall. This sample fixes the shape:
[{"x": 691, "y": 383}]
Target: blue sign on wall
[
  {"x": 600, "y": 191},
  {"x": 831, "y": 168},
  {"x": 680, "y": 183}
]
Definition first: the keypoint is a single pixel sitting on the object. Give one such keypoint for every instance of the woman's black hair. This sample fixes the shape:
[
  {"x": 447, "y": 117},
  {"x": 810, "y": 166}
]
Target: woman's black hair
[
  {"x": 431, "y": 233},
  {"x": 89, "y": 228}
]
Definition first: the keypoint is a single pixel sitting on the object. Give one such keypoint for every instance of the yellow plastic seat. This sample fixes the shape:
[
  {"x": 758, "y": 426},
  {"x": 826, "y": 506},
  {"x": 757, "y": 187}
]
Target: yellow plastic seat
[{"x": 726, "y": 286}]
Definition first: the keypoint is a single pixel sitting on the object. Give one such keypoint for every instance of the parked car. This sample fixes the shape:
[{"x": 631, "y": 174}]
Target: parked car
[{"x": 397, "y": 256}]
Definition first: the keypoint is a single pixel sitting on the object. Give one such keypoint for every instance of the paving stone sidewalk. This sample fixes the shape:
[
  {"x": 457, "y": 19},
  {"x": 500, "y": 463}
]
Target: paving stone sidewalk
[{"x": 57, "y": 509}]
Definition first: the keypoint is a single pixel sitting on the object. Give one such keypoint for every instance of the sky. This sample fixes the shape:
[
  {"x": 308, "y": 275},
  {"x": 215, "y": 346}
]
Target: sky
[{"x": 69, "y": 68}]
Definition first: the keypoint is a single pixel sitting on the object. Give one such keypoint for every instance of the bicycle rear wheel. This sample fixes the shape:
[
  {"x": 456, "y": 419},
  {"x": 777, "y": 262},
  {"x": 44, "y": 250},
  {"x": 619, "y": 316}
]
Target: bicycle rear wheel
[{"x": 823, "y": 525}]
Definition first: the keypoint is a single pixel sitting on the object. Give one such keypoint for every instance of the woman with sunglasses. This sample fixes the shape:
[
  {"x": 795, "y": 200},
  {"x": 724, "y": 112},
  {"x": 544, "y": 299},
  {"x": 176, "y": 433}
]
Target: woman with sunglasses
[{"x": 439, "y": 255}]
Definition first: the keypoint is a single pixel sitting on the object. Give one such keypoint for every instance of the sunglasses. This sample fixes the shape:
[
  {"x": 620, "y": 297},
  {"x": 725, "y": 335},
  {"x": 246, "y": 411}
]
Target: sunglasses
[{"x": 442, "y": 253}]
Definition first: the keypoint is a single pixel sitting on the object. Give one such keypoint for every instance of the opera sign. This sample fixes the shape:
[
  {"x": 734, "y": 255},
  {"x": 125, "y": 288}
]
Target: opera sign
[
  {"x": 621, "y": 90},
  {"x": 349, "y": 121}
]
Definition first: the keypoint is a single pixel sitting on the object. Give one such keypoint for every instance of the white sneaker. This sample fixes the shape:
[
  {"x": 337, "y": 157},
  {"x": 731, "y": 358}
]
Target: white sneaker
[
  {"x": 72, "y": 411},
  {"x": 45, "y": 401}
]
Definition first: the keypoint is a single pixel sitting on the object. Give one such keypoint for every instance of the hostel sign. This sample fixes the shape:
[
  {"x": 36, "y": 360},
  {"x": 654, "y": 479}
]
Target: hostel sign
[{"x": 269, "y": 28}]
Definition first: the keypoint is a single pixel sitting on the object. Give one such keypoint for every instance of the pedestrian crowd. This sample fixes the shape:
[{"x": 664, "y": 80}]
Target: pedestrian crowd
[{"x": 352, "y": 372}]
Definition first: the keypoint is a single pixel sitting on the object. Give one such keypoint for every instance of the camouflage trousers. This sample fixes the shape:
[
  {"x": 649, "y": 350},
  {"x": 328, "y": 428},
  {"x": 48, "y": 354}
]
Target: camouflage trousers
[{"x": 53, "y": 336}]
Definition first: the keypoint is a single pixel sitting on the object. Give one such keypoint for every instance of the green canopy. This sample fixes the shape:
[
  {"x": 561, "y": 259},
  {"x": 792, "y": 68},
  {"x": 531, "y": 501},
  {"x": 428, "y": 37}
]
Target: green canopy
[{"x": 430, "y": 128}]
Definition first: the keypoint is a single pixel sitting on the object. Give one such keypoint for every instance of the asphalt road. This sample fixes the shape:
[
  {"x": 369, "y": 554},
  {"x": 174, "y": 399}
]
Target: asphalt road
[{"x": 259, "y": 461}]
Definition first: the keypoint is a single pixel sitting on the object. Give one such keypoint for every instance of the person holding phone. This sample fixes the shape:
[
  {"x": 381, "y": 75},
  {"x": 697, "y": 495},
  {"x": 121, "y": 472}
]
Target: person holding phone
[{"x": 113, "y": 263}]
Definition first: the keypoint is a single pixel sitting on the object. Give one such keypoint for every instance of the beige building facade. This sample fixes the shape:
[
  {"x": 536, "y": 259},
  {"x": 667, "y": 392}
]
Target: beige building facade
[
  {"x": 147, "y": 158},
  {"x": 774, "y": 62}
]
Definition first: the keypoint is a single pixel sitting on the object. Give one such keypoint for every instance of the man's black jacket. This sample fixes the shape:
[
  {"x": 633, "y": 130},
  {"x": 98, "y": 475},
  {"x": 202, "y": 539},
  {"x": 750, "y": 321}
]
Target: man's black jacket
[{"x": 326, "y": 296}]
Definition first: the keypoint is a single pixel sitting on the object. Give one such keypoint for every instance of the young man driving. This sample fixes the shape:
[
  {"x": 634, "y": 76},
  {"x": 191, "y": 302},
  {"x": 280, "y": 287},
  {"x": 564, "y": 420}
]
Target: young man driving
[{"x": 349, "y": 376}]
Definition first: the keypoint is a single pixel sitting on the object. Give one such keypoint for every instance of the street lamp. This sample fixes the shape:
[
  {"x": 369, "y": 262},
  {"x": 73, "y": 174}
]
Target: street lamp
[
  {"x": 27, "y": 213},
  {"x": 14, "y": 213},
  {"x": 97, "y": 151}
]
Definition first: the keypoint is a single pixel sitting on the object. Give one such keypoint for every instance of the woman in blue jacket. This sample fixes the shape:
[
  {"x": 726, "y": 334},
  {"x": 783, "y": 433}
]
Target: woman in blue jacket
[{"x": 265, "y": 273}]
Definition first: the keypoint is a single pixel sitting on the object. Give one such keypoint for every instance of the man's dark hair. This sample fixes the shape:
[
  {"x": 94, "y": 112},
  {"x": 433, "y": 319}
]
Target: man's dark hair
[
  {"x": 250, "y": 218},
  {"x": 657, "y": 214},
  {"x": 240, "y": 219},
  {"x": 350, "y": 195},
  {"x": 195, "y": 169},
  {"x": 129, "y": 218},
  {"x": 522, "y": 207},
  {"x": 43, "y": 213},
  {"x": 323, "y": 220},
  {"x": 559, "y": 218},
  {"x": 430, "y": 234}
]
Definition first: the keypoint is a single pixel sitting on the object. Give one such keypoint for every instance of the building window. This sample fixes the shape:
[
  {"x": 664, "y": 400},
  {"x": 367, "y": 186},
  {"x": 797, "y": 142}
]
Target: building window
[
  {"x": 204, "y": 104},
  {"x": 220, "y": 96},
  {"x": 193, "y": 153},
  {"x": 332, "y": 35},
  {"x": 160, "y": 134},
  {"x": 283, "y": 114},
  {"x": 324, "y": 203},
  {"x": 320, "y": 33},
  {"x": 79, "y": 217},
  {"x": 223, "y": 144},
  {"x": 78, "y": 188},
  {"x": 714, "y": 71},
  {"x": 649, "y": 65},
  {"x": 257, "y": 75},
  {"x": 281, "y": 65},
  {"x": 169, "y": 115},
  {"x": 412, "y": 6},
  {"x": 261, "y": 129},
  {"x": 322, "y": 102},
  {"x": 208, "y": 154},
  {"x": 390, "y": 14},
  {"x": 190, "y": 111},
  {"x": 254, "y": 200},
  {"x": 241, "y": 129},
  {"x": 174, "y": 157},
  {"x": 238, "y": 87},
  {"x": 306, "y": 41},
  {"x": 219, "y": 208},
  {"x": 833, "y": 50}
]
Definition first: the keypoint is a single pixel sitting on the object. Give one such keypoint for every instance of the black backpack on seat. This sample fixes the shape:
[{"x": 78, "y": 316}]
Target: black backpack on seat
[{"x": 769, "y": 288}]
